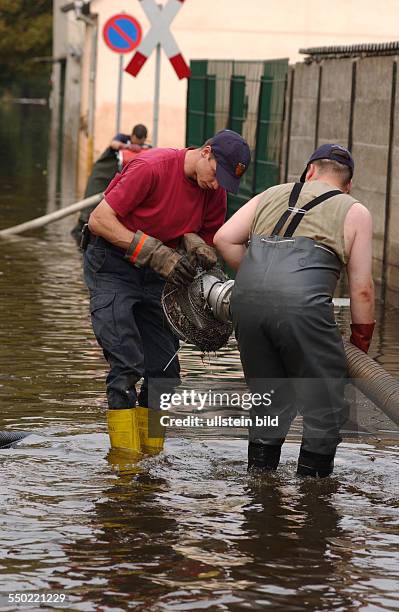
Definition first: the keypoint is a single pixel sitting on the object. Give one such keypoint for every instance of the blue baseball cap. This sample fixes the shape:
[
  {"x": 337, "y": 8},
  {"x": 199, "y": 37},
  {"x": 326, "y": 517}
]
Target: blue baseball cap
[
  {"x": 334, "y": 152},
  {"x": 233, "y": 157}
]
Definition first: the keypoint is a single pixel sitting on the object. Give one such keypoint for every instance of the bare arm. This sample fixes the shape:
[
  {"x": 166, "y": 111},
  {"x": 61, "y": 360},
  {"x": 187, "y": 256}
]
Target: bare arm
[
  {"x": 358, "y": 230},
  {"x": 117, "y": 145},
  {"x": 104, "y": 222},
  {"x": 231, "y": 239}
]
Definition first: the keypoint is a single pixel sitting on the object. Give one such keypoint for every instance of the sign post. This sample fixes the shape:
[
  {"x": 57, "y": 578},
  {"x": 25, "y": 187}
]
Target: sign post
[
  {"x": 122, "y": 33},
  {"x": 156, "y": 95},
  {"x": 159, "y": 35},
  {"x": 119, "y": 96}
]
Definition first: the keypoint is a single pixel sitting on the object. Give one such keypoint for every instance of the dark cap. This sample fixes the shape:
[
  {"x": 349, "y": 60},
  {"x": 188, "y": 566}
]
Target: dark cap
[
  {"x": 334, "y": 152},
  {"x": 232, "y": 156}
]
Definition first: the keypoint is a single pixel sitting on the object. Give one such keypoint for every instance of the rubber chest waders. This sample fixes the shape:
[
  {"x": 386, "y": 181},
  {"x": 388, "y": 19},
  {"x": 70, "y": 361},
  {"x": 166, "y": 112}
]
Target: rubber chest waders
[{"x": 288, "y": 338}]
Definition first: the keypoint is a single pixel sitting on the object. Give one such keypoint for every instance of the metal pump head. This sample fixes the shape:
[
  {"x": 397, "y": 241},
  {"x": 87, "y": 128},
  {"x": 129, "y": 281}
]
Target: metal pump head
[
  {"x": 217, "y": 294},
  {"x": 198, "y": 314}
]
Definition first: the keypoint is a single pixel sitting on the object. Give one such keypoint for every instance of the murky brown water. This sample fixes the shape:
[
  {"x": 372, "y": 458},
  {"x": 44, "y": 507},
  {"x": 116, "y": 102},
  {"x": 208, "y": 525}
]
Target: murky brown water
[{"x": 187, "y": 530}]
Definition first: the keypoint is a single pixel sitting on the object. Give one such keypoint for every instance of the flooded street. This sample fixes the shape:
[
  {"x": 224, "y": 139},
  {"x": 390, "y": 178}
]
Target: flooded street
[{"x": 189, "y": 529}]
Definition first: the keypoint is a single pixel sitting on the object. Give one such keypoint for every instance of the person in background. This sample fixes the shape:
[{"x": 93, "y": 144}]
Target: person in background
[
  {"x": 122, "y": 148},
  {"x": 300, "y": 237}
]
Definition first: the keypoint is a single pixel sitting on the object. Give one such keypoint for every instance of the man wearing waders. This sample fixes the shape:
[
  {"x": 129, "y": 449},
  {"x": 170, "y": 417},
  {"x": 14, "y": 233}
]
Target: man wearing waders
[{"x": 289, "y": 245}]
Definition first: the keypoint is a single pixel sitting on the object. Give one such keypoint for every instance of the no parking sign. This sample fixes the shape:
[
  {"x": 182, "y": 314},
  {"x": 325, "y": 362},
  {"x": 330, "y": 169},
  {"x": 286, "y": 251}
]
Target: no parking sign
[{"x": 122, "y": 33}]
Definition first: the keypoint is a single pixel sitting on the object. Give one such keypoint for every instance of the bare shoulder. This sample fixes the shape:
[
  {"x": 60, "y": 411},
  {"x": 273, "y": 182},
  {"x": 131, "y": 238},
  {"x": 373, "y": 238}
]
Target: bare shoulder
[
  {"x": 358, "y": 228},
  {"x": 261, "y": 197},
  {"x": 358, "y": 214}
]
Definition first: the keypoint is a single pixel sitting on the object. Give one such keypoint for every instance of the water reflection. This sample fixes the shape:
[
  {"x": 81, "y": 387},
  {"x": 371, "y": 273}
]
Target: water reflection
[
  {"x": 190, "y": 529},
  {"x": 23, "y": 155},
  {"x": 185, "y": 530},
  {"x": 291, "y": 554}
]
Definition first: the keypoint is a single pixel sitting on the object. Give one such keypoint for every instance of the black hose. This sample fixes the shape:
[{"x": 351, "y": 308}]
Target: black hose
[{"x": 9, "y": 438}]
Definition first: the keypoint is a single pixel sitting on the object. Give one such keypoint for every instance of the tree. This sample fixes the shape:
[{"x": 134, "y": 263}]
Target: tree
[{"x": 25, "y": 33}]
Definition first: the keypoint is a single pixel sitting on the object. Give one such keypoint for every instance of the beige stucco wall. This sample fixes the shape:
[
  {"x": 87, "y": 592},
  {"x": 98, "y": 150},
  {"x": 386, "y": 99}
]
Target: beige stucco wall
[{"x": 222, "y": 29}]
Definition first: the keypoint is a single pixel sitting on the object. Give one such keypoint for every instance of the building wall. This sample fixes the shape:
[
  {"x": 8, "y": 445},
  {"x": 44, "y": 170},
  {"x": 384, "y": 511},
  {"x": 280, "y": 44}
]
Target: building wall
[
  {"x": 371, "y": 143},
  {"x": 68, "y": 45},
  {"x": 225, "y": 29},
  {"x": 59, "y": 51},
  {"x": 353, "y": 102},
  {"x": 72, "y": 108},
  {"x": 88, "y": 105}
]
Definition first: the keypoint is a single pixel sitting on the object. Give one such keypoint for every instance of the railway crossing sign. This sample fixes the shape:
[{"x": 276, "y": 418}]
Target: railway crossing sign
[
  {"x": 122, "y": 33},
  {"x": 160, "y": 35}
]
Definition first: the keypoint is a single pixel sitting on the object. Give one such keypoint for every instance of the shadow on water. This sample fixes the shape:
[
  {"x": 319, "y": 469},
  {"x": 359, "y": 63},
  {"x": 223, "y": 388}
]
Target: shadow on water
[{"x": 188, "y": 529}]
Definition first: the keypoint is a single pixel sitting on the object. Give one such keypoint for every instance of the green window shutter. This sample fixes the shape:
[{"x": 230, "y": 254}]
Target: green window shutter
[
  {"x": 196, "y": 103},
  {"x": 237, "y": 110},
  {"x": 237, "y": 116},
  {"x": 263, "y": 171},
  {"x": 269, "y": 132},
  {"x": 210, "y": 98}
]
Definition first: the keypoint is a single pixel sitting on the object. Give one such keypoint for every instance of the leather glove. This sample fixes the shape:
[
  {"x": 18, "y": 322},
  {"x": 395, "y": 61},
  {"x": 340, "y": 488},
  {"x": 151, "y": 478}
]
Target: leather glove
[
  {"x": 361, "y": 335},
  {"x": 145, "y": 251},
  {"x": 199, "y": 253}
]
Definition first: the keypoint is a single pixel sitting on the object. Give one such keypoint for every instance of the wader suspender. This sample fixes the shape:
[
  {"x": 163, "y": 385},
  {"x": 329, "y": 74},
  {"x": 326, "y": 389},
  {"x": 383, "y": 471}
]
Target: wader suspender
[{"x": 299, "y": 212}]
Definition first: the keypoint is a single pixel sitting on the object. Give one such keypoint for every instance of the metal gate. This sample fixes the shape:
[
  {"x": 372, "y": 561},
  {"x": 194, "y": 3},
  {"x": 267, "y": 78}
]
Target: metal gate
[{"x": 247, "y": 97}]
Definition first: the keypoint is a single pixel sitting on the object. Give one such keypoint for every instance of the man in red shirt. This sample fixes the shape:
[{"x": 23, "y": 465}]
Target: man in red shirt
[{"x": 163, "y": 200}]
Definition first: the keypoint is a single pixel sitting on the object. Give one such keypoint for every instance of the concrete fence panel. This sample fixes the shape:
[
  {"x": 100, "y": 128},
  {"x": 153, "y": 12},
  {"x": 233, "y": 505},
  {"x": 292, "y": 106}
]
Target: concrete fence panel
[
  {"x": 353, "y": 101},
  {"x": 392, "y": 220},
  {"x": 371, "y": 131},
  {"x": 303, "y": 117},
  {"x": 335, "y": 102}
]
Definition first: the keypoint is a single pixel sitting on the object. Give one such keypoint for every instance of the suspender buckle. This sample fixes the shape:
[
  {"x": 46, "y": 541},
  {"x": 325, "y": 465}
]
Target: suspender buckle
[{"x": 299, "y": 211}]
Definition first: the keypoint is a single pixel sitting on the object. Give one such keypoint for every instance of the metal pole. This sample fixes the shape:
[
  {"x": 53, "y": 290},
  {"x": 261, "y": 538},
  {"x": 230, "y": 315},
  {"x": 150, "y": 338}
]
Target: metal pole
[
  {"x": 119, "y": 98},
  {"x": 156, "y": 95},
  {"x": 92, "y": 96}
]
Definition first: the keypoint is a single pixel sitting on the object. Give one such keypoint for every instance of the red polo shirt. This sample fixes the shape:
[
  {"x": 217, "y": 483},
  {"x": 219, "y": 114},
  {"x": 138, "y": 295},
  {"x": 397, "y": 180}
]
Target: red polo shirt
[{"x": 152, "y": 194}]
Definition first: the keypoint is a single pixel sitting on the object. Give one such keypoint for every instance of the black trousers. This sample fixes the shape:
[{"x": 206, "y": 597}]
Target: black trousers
[
  {"x": 128, "y": 322},
  {"x": 289, "y": 341}
]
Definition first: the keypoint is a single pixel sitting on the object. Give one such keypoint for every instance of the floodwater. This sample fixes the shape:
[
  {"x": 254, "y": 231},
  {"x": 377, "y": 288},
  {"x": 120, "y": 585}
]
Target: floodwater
[{"x": 187, "y": 530}]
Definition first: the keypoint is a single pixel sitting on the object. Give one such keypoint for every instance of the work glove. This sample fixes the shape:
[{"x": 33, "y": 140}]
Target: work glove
[
  {"x": 199, "y": 253},
  {"x": 361, "y": 335},
  {"x": 146, "y": 251}
]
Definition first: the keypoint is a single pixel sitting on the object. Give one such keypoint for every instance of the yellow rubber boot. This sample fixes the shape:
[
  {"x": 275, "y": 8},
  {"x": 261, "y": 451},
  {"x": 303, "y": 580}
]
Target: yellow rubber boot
[
  {"x": 152, "y": 434},
  {"x": 123, "y": 429},
  {"x": 125, "y": 463}
]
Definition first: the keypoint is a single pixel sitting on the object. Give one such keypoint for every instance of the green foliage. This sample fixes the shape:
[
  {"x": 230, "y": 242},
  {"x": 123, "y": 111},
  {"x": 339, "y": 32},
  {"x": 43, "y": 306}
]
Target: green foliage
[{"x": 25, "y": 33}]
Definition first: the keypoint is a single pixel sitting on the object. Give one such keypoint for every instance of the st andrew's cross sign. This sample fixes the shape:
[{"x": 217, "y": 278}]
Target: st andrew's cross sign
[{"x": 159, "y": 33}]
